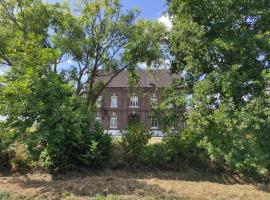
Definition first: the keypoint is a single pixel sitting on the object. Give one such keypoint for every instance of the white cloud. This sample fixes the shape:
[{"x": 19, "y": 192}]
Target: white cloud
[{"x": 165, "y": 19}]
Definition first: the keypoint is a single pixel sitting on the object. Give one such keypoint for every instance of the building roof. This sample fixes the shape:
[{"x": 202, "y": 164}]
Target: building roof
[{"x": 147, "y": 78}]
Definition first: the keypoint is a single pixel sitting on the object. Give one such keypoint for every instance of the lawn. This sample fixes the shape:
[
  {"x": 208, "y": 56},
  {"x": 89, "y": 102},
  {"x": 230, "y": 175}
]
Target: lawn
[{"x": 115, "y": 185}]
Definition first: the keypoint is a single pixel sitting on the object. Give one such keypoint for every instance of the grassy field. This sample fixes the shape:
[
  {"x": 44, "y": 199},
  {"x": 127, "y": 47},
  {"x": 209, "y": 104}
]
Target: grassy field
[{"x": 116, "y": 185}]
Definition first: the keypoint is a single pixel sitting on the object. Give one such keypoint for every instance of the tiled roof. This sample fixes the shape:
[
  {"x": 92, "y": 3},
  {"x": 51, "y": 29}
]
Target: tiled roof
[{"x": 147, "y": 78}]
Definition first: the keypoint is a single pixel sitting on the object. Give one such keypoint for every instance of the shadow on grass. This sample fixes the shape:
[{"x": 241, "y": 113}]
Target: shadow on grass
[
  {"x": 117, "y": 183},
  {"x": 92, "y": 184}
]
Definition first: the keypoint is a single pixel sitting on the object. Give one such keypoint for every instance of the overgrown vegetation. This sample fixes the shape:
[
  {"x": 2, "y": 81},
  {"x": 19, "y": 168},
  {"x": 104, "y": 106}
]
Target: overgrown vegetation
[
  {"x": 216, "y": 114},
  {"x": 221, "y": 48},
  {"x": 47, "y": 110}
]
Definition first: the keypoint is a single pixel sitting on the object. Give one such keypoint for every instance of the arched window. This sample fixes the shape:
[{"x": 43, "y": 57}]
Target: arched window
[
  {"x": 113, "y": 121},
  {"x": 114, "y": 101},
  {"x": 154, "y": 100},
  {"x": 134, "y": 101},
  {"x": 99, "y": 102}
]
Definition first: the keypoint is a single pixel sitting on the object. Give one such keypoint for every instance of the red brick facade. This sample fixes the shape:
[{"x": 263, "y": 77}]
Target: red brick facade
[
  {"x": 150, "y": 83},
  {"x": 124, "y": 111}
]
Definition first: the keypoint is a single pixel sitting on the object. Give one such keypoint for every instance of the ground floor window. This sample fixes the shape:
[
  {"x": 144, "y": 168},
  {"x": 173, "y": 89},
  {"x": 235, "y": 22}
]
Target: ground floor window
[
  {"x": 113, "y": 121},
  {"x": 154, "y": 123},
  {"x": 133, "y": 118}
]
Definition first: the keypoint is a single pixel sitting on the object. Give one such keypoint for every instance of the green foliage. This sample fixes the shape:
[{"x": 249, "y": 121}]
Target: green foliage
[
  {"x": 223, "y": 47},
  {"x": 155, "y": 156},
  {"x": 104, "y": 40},
  {"x": 4, "y": 195},
  {"x": 133, "y": 141},
  {"x": 95, "y": 147},
  {"x": 19, "y": 159}
]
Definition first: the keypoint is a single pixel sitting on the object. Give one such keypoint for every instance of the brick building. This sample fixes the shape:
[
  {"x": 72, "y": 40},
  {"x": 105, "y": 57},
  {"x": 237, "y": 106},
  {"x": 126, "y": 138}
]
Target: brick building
[{"x": 118, "y": 105}]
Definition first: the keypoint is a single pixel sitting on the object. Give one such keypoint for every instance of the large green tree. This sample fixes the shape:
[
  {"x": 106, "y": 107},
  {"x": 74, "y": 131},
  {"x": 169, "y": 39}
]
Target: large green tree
[
  {"x": 103, "y": 40},
  {"x": 222, "y": 49}
]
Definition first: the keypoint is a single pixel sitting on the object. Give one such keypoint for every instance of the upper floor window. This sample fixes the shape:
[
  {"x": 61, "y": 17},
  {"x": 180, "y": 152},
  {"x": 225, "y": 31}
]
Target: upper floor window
[
  {"x": 113, "y": 101},
  {"x": 153, "y": 100},
  {"x": 154, "y": 123},
  {"x": 99, "y": 101},
  {"x": 134, "y": 101},
  {"x": 113, "y": 121}
]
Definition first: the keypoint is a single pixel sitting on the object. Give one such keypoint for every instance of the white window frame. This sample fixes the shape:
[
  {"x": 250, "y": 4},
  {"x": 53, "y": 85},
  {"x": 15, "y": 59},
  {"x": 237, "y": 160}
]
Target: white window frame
[
  {"x": 154, "y": 100},
  {"x": 99, "y": 102},
  {"x": 114, "y": 103},
  {"x": 154, "y": 123},
  {"x": 134, "y": 101},
  {"x": 113, "y": 121}
]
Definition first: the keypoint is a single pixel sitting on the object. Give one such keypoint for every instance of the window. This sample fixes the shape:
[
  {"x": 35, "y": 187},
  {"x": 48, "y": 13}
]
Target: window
[
  {"x": 113, "y": 121},
  {"x": 98, "y": 118},
  {"x": 154, "y": 123},
  {"x": 113, "y": 101},
  {"x": 153, "y": 100},
  {"x": 99, "y": 102},
  {"x": 134, "y": 101}
]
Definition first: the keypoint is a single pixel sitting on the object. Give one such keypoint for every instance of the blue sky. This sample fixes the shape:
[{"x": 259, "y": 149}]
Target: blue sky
[{"x": 151, "y": 9}]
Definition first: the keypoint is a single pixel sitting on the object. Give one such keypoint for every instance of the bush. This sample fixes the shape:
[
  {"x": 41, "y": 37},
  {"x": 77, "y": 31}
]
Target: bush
[
  {"x": 4, "y": 163},
  {"x": 117, "y": 158},
  {"x": 155, "y": 156},
  {"x": 95, "y": 148},
  {"x": 18, "y": 157},
  {"x": 133, "y": 141},
  {"x": 183, "y": 152}
]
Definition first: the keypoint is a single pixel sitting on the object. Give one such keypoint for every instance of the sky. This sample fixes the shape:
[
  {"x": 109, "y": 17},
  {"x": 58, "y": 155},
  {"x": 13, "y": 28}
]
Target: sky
[{"x": 150, "y": 9}]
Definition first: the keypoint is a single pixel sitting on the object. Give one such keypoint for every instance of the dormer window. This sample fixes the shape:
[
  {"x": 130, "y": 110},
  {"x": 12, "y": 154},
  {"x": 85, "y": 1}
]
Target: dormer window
[
  {"x": 113, "y": 121},
  {"x": 114, "y": 101},
  {"x": 134, "y": 101},
  {"x": 154, "y": 100},
  {"x": 99, "y": 102}
]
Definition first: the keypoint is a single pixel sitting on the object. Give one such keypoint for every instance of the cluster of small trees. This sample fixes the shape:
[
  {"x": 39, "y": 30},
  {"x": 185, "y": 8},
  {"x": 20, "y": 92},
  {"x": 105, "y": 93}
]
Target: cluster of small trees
[
  {"x": 47, "y": 105},
  {"x": 219, "y": 48}
]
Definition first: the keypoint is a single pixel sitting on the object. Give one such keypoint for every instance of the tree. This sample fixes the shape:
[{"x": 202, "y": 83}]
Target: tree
[
  {"x": 42, "y": 105},
  {"x": 103, "y": 41},
  {"x": 222, "y": 47}
]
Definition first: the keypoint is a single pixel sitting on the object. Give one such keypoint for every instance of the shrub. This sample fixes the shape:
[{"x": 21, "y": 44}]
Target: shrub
[
  {"x": 95, "y": 148},
  {"x": 155, "y": 156},
  {"x": 117, "y": 158},
  {"x": 18, "y": 156},
  {"x": 3, "y": 156},
  {"x": 133, "y": 141}
]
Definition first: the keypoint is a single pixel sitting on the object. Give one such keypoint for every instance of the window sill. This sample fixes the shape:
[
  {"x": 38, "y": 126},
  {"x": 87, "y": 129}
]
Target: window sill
[{"x": 134, "y": 106}]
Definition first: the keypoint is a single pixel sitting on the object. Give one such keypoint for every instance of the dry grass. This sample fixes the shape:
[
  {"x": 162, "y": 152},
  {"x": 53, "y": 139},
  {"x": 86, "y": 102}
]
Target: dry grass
[
  {"x": 153, "y": 140},
  {"x": 137, "y": 185}
]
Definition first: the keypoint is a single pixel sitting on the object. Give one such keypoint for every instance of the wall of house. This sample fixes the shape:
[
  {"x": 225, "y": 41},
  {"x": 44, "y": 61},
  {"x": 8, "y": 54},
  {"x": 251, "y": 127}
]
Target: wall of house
[{"x": 123, "y": 109}]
